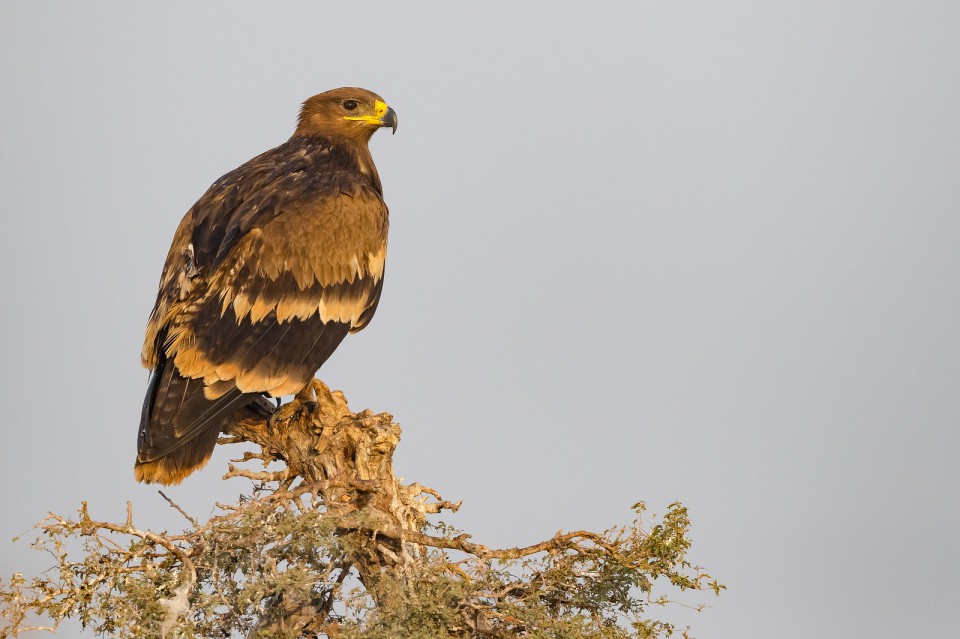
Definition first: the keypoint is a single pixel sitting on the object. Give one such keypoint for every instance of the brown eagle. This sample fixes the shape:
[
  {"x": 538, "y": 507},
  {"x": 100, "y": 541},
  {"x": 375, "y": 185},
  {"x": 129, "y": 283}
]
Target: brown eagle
[{"x": 267, "y": 273}]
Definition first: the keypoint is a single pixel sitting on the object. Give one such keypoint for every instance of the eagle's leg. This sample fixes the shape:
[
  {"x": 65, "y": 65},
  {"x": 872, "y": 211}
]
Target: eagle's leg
[{"x": 262, "y": 406}]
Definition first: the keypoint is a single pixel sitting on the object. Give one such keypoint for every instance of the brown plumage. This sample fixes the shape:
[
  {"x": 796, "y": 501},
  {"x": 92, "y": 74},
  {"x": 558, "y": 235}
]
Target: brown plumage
[{"x": 267, "y": 273}]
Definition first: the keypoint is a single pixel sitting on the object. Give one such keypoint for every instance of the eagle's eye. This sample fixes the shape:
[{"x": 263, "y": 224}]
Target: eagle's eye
[{"x": 350, "y": 105}]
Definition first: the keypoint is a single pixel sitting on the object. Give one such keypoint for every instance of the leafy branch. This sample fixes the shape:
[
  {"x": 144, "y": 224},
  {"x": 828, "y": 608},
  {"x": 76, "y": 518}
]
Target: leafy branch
[{"x": 333, "y": 545}]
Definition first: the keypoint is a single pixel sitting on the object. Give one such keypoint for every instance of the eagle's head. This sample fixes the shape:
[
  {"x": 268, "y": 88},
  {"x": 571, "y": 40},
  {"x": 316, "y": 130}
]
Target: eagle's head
[{"x": 346, "y": 112}]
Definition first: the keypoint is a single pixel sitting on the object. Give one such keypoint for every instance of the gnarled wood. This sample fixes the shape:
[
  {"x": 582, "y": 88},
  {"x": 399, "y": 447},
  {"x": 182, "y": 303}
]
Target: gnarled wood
[{"x": 347, "y": 459}]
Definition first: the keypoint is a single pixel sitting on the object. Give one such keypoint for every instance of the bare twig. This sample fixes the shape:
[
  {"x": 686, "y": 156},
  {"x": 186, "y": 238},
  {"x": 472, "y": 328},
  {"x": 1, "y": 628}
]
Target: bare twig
[
  {"x": 179, "y": 509},
  {"x": 264, "y": 476}
]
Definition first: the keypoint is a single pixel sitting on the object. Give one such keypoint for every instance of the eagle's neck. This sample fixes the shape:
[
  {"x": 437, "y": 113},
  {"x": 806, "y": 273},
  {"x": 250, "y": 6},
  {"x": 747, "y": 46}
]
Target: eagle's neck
[
  {"x": 351, "y": 154},
  {"x": 365, "y": 163}
]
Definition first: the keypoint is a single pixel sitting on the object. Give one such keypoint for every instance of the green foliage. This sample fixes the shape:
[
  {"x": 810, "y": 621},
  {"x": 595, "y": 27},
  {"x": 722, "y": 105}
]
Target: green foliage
[{"x": 282, "y": 565}]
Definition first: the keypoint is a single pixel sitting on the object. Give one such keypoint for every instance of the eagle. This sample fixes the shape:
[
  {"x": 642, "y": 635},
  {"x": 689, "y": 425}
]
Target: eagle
[{"x": 266, "y": 274}]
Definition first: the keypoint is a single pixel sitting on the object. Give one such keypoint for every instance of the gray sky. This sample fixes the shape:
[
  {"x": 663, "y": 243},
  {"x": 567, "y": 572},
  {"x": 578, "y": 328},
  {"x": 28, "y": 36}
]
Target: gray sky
[{"x": 639, "y": 250}]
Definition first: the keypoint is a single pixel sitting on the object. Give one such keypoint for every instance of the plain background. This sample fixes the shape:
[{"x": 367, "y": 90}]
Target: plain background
[{"x": 639, "y": 250}]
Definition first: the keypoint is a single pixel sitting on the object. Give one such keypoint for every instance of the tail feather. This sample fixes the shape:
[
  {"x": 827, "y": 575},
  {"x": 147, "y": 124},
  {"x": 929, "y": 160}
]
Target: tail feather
[{"x": 179, "y": 426}]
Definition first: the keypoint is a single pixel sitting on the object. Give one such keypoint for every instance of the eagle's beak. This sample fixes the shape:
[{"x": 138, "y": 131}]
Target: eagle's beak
[
  {"x": 386, "y": 115},
  {"x": 383, "y": 116},
  {"x": 389, "y": 119}
]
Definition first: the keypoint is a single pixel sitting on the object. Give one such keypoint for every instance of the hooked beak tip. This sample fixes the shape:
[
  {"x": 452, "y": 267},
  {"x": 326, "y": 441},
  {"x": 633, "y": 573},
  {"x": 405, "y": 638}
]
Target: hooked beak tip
[{"x": 390, "y": 119}]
